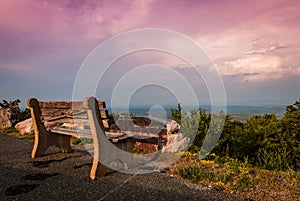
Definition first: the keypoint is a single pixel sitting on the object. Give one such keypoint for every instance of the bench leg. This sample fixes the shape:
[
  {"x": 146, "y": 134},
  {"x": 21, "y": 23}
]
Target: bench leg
[
  {"x": 127, "y": 146},
  {"x": 98, "y": 169},
  {"x": 43, "y": 141}
]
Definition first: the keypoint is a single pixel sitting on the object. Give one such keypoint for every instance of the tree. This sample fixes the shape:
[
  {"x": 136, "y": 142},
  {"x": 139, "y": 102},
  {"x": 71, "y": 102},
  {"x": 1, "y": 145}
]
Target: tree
[
  {"x": 259, "y": 133},
  {"x": 176, "y": 113},
  {"x": 11, "y": 104},
  {"x": 229, "y": 139},
  {"x": 290, "y": 137},
  {"x": 17, "y": 115}
]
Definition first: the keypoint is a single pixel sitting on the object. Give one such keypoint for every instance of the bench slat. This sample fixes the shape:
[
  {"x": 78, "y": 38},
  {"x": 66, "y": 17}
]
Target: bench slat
[
  {"x": 104, "y": 114},
  {"x": 49, "y": 119},
  {"x": 86, "y": 133},
  {"x": 105, "y": 123},
  {"x": 140, "y": 134},
  {"x": 114, "y": 137},
  {"x": 66, "y": 104},
  {"x": 73, "y": 132}
]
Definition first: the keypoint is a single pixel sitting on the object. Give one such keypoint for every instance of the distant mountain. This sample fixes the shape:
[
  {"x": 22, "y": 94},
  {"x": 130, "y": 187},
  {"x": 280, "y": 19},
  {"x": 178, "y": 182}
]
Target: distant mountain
[
  {"x": 238, "y": 112},
  {"x": 245, "y": 112}
]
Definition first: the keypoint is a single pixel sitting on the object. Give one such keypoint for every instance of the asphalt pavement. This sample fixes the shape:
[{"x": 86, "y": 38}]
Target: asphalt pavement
[{"x": 57, "y": 176}]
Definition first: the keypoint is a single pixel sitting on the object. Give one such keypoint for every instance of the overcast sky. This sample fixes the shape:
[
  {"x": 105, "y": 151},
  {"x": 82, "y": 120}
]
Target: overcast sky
[{"x": 255, "y": 45}]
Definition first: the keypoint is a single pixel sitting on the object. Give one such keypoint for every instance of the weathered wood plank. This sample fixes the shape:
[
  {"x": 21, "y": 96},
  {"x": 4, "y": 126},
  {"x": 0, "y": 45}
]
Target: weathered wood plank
[
  {"x": 140, "y": 134},
  {"x": 66, "y": 104},
  {"x": 105, "y": 123},
  {"x": 104, "y": 114},
  {"x": 114, "y": 137},
  {"x": 73, "y": 132}
]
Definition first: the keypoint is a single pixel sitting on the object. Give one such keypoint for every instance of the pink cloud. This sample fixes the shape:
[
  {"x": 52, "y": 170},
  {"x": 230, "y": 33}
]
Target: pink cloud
[
  {"x": 70, "y": 21},
  {"x": 51, "y": 29},
  {"x": 254, "y": 68},
  {"x": 37, "y": 32},
  {"x": 267, "y": 32}
]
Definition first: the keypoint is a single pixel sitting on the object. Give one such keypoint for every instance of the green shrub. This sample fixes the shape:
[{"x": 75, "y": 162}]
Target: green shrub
[
  {"x": 263, "y": 140},
  {"x": 9, "y": 130},
  {"x": 274, "y": 159},
  {"x": 25, "y": 114},
  {"x": 243, "y": 183},
  {"x": 75, "y": 140},
  {"x": 195, "y": 173},
  {"x": 224, "y": 178}
]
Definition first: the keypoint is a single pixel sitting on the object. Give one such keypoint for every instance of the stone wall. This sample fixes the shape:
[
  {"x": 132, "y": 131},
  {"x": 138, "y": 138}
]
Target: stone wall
[{"x": 9, "y": 116}]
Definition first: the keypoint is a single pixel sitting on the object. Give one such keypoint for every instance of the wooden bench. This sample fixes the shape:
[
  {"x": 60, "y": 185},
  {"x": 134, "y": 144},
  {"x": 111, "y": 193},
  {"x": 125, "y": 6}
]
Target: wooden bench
[{"x": 91, "y": 120}]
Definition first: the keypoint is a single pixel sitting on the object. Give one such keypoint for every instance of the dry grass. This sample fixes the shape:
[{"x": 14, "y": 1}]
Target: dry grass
[
  {"x": 240, "y": 178},
  {"x": 14, "y": 132}
]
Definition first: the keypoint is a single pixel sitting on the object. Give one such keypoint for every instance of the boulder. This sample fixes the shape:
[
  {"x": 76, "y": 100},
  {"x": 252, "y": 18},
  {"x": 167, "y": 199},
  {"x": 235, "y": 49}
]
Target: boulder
[
  {"x": 176, "y": 142},
  {"x": 25, "y": 127},
  {"x": 9, "y": 116},
  {"x": 172, "y": 127}
]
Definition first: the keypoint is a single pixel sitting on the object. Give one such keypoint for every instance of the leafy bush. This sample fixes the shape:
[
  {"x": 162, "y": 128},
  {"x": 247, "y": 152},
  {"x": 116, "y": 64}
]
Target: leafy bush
[
  {"x": 274, "y": 160},
  {"x": 262, "y": 140}
]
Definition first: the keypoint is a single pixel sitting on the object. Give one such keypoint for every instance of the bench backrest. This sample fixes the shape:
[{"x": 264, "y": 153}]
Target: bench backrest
[{"x": 53, "y": 113}]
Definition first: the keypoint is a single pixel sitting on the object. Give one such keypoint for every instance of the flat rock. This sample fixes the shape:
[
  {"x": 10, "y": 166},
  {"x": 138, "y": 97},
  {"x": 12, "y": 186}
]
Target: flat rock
[{"x": 175, "y": 143}]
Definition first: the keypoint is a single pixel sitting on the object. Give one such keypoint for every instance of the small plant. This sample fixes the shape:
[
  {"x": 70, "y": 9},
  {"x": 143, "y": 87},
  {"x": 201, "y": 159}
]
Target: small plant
[
  {"x": 274, "y": 160},
  {"x": 212, "y": 157},
  {"x": 240, "y": 178},
  {"x": 14, "y": 132},
  {"x": 195, "y": 173},
  {"x": 137, "y": 150},
  {"x": 23, "y": 136},
  {"x": 75, "y": 141},
  {"x": 224, "y": 178},
  {"x": 9, "y": 130},
  {"x": 243, "y": 183}
]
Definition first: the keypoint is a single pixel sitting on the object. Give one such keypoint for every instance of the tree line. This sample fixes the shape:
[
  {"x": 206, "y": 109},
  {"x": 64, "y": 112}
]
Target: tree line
[{"x": 263, "y": 140}]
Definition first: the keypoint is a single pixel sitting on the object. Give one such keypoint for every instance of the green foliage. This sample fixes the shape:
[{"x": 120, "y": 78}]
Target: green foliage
[
  {"x": 262, "y": 140},
  {"x": 81, "y": 141},
  {"x": 137, "y": 150},
  {"x": 75, "y": 141},
  {"x": 195, "y": 173},
  {"x": 274, "y": 160},
  {"x": 25, "y": 114},
  {"x": 176, "y": 114},
  {"x": 26, "y": 136},
  {"x": 195, "y": 121},
  {"x": 9, "y": 130},
  {"x": 14, "y": 132},
  {"x": 224, "y": 178},
  {"x": 111, "y": 118},
  {"x": 243, "y": 182},
  {"x": 258, "y": 132},
  {"x": 239, "y": 178},
  {"x": 6, "y": 104},
  {"x": 290, "y": 138}
]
